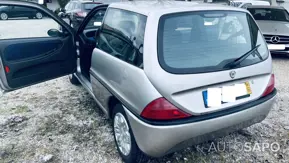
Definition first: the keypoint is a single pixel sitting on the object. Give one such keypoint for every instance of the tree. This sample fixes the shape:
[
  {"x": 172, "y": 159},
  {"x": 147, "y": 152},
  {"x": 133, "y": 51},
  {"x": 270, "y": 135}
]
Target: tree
[{"x": 62, "y": 3}]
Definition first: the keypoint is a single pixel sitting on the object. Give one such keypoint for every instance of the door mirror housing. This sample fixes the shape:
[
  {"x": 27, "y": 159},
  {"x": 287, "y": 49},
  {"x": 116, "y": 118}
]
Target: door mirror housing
[
  {"x": 54, "y": 33},
  {"x": 61, "y": 14},
  {"x": 62, "y": 10}
]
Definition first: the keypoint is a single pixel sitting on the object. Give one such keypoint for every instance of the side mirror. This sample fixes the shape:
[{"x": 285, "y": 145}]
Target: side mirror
[
  {"x": 61, "y": 14},
  {"x": 62, "y": 10},
  {"x": 54, "y": 33}
]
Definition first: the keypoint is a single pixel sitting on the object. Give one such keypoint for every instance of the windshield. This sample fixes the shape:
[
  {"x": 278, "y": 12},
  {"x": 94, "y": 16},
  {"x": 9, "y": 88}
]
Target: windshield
[
  {"x": 196, "y": 42},
  {"x": 269, "y": 14},
  {"x": 90, "y": 6}
]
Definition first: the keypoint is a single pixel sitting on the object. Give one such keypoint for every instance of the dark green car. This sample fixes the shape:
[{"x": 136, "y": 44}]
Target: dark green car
[{"x": 7, "y": 12}]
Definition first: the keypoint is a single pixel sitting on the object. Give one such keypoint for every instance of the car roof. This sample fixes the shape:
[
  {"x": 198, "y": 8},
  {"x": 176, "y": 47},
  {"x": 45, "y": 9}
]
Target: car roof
[
  {"x": 246, "y": 1},
  {"x": 96, "y": 1},
  {"x": 266, "y": 7},
  {"x": 147, "y": 7}
]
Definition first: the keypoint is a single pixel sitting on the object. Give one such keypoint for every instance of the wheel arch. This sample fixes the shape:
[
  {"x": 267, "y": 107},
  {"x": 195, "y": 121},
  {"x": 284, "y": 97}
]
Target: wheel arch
[{"x": 111, "y": 103}]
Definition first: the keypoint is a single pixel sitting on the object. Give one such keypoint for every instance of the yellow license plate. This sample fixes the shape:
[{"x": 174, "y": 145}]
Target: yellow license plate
[{"x": 248, "y": 88}]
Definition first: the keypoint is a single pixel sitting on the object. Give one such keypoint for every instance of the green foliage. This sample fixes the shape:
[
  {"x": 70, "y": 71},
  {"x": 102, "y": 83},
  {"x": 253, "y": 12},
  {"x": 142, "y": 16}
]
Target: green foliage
[{"x": 62, "y": 3}]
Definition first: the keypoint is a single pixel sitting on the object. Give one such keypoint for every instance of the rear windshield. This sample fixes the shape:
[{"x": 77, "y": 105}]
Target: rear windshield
[
  {"x": 269, "y": 14},
  {"x": 205, "y": 41},
  {"x": 90, "y": 6}
]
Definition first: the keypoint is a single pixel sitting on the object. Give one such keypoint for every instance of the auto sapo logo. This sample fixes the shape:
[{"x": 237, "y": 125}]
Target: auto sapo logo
[{"x": 239, "y": 146}]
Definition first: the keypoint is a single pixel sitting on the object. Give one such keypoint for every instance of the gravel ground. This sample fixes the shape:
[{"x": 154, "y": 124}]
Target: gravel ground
[{"x": 58, "y": 122}]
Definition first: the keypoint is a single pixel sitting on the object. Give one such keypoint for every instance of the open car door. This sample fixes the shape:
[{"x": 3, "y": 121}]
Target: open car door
[{"x": 32, "y": 48}]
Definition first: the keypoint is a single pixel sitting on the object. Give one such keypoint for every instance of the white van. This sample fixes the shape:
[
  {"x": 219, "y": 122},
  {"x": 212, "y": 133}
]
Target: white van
[{"x": 245, "y": 3}]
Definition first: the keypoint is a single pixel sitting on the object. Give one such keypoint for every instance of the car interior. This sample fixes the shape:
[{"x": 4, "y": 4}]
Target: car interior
[
  {"x": 88, "y": 42},
  {"x": 270, "y": 14},
  {"x": 30, "y": 57}
]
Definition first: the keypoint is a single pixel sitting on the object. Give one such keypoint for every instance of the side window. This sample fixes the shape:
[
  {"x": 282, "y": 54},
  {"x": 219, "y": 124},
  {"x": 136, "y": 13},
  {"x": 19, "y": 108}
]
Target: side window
[
  {"x": 122, "y": 35},
  {"x": 67, "y": 7},
  {"x": 77, "y": 6},
  {"x": 25, "y": 22},
  {"x": 72, "y": 6},
  {"x": 96, "y": 20},
  {"x": 246, "y": 5}
]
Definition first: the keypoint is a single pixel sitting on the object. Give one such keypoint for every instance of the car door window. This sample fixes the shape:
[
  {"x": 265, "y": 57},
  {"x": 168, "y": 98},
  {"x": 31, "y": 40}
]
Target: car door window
[
  {"x": 78, "y": 6},
  {"x": 269, "y": 14},
  {"x": 72, "y": 6},
  {"x": 26, "y": 23},
  {"x": 68, "y": 6},
  {"x": 96, "y": 20},
  {"x": 122, "y": 35}
]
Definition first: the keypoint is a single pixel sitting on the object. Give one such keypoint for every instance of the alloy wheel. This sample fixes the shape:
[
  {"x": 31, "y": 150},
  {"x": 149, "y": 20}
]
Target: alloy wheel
[
  {"x": 4, "y": 16},
  {"x": 39, "y": 15},
  {"x": 122, "y": 134}
]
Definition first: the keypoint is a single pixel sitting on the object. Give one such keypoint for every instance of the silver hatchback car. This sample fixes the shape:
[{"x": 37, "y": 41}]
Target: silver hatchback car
[{"x": 168, "y": 74}]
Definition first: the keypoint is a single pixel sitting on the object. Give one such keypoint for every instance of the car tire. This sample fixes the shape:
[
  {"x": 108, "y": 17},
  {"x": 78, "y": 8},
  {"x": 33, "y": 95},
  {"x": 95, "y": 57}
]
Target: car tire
[
  {"x": 121, "y": 123},
  {"x": 3, "y": 16},
  {"x": 73, "y": 80},
  {"x": 39, "y": 15}
]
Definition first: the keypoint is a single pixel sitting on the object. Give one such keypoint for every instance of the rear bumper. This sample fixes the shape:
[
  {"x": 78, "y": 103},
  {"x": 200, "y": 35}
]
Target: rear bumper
[{"x": 157, "y": 140}]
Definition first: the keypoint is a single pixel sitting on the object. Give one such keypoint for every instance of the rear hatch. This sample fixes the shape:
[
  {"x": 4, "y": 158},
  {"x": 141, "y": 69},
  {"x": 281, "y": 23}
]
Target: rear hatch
[{"x": 195, "y": 55}]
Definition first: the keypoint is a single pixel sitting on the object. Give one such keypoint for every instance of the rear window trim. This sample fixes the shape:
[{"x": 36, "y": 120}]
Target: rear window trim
[{"x": 172, "y": 70}]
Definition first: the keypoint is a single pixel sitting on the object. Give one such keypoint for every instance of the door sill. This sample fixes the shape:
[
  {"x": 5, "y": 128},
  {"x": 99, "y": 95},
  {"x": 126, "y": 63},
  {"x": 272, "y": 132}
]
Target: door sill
[
  {"x": 84, "y": 81},
  {"x": 87, "y": 85}
]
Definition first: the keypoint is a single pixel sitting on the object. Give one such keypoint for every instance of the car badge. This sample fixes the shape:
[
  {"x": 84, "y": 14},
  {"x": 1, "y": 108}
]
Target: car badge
[
  {"x": 232, "y": 74},
  {"x": 275, "y": 39}
]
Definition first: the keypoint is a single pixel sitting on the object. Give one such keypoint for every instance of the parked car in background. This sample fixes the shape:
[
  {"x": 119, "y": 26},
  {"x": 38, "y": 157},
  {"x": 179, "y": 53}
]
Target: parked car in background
[
  {"x": 246, "y": 3},
  {"x": 280, "y": 1},
  {"x": 274, "y": 24},
  {"x": 7, "y": 12},
  {"x": 169, "y": 74},
  {"x": 76, "y": 11}
]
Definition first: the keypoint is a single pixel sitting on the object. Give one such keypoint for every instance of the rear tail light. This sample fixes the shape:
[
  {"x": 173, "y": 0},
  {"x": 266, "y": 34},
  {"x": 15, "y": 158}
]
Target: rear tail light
[
  {"x": 81, "y": 14},
  {"x": 270, "y": 86},
  {"x": 161, "y": 109},
  {"x": 7, "y": 69}
]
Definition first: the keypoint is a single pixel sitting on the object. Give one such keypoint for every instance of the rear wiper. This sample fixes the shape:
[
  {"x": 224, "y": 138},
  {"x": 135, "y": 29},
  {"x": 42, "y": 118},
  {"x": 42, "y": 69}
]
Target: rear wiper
[{"x": 237, "y": 61}]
